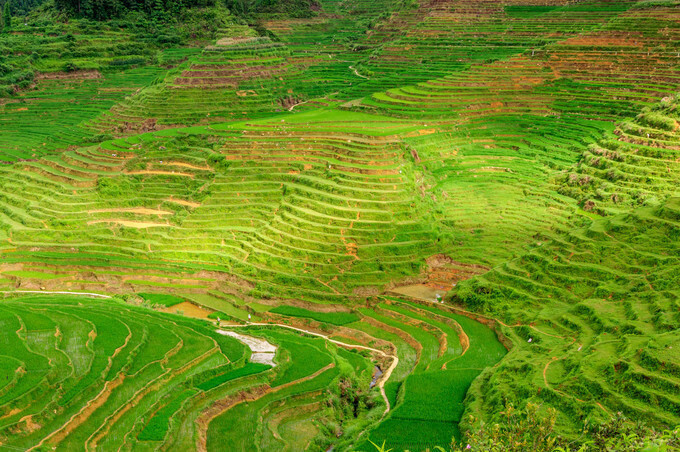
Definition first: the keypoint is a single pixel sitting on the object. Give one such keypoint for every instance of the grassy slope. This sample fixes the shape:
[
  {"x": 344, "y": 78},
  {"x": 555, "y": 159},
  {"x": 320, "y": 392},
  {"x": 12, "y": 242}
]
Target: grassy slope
[
  {"x": 76, "y": 345},
  {"x": 483, "y": 155}
]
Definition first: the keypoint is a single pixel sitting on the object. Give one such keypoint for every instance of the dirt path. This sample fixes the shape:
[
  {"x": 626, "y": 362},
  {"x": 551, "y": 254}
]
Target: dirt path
[
  {"x": 189, "y": 165},
  {"x": 138, "y": 210},
  {"x": 131, "y": 224},
  {"x": 325, "y": 284},
  {"x": 103, "y": 430},
  {"x": 262, "y": 351},
  {"x": 81, "y": 416},
  {"x": 87, "y": 294},
  {"x": 357, "y": 73},
  {"x": 295, "y": 105},
  {"x": 383, "y": 379},
  {"x": 161, "y": 173},
  {"x": 545, "y": 370},
  {"x": 183, "y": 202}
]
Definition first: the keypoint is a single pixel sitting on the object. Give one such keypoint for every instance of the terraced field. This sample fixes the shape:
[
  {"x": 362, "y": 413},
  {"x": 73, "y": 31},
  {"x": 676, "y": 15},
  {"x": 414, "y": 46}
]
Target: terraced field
[{"x": 386, "y": 222}]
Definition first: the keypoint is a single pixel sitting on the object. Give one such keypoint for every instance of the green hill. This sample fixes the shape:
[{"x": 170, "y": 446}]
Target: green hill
[{"x": 338, "y": 225}]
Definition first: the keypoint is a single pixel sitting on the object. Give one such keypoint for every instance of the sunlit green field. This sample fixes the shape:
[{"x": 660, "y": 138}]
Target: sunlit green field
[{"x": 380, "y": 222}]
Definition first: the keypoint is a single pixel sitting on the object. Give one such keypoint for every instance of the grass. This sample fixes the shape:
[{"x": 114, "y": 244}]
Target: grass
[
  {"x": 445, "y": 377},
  {"x": 102, "y": 341},
  {"x": 303, "y": 358},
  {"x": 161, "y": 299},
  {"x": 157, "y": 427},
  {"x": 327, "y": 160},
  {"x": 335, "y": 318},
  {"x": 248, "y": 369}
]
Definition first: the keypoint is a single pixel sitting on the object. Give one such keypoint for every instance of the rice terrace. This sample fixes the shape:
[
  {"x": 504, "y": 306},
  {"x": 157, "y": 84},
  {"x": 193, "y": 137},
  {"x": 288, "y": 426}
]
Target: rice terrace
[{"x": 340, "y": 225}]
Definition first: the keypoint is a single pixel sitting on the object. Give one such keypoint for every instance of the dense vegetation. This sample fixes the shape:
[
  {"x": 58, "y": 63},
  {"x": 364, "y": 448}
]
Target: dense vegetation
[{"x": 420, "y": 225}]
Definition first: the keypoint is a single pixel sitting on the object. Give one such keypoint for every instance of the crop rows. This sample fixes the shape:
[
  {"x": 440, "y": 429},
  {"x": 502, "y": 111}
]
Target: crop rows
[
  {"x": 94, "y": 373},
  {"x": 340, "y": 202},
  {"x": 296, "y": 178},
  {"x": 589, "y": 74},
  {"x": 602, "y": 305}
]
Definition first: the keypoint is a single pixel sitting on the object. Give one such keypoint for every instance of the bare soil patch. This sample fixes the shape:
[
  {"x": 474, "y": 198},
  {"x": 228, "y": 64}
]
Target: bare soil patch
[
  {"x": 82, "y": 416},
  {"x": 139, "y": 210},
  {"x": 189, "y": 165},
  {"x": 161, "y": 173},
  {"x": 236, "y": 40},
  {"x": 130, "y": 224},
  {"x": 442, "y": 274},
  {"x": 74, "y": 75},
  {"x": 188, "y": 309},
  {"x": 605, "y": 39},
  {"x": 183, "y": 202}
]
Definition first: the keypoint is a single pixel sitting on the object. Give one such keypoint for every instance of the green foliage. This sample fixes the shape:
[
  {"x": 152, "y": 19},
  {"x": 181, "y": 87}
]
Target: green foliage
[
  {"x": 114, "y": 187},
  {"x": 157, "y": 427},
  {"x": 648, "y": 4},
  {"x": 292, "y": 8},
  {"x": 162, "y": 299},
  {"x": 534, "y": 429},
  {"x": 327, "y": 161},
  {"x": 303, "y": 358},
  {"x": 248, "y": 369},
  {"x": 6, "y": 17},
  {"x": 158, "y": 11},
  {"x": 335, "y": 318}
]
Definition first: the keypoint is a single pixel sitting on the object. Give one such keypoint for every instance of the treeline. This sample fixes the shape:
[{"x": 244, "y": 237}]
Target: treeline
[
  {"x": 291, "y": 8},
  {"x": 162, "y": 10},
  {"x": 17, "y": 8}
]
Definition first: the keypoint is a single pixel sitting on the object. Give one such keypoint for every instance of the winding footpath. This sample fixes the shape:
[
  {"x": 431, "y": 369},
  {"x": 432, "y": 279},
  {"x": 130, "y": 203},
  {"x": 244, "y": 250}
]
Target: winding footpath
[
  {"x": 381, "y": 384},
  {"x": 87, "y": 294},
  {"x": 383, "y": 379}
]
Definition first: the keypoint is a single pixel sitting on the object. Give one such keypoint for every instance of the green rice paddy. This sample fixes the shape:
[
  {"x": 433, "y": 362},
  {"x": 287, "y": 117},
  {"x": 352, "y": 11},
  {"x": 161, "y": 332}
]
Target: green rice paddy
[{"x": 514, "y": 166}]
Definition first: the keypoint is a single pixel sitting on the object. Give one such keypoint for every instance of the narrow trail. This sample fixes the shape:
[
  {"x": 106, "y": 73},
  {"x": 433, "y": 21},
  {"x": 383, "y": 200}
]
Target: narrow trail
[
  {"x": 295, "y": 105},
  {"x": 357, "y": 73},
  {"x": 562, "y": 393},
  {"x": 82, "y": 415},
  {"x": 545, "y": 370},
  {"x": 86, "y": 294},
  {"x": 383, "y": 379}
]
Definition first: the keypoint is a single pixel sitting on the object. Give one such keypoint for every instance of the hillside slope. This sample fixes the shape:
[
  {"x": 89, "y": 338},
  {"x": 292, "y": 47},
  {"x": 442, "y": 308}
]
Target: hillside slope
[{"x": 429, "y": 209}]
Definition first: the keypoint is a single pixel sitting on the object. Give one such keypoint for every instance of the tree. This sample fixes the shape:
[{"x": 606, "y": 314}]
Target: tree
[{"x": 7, "y": 17}]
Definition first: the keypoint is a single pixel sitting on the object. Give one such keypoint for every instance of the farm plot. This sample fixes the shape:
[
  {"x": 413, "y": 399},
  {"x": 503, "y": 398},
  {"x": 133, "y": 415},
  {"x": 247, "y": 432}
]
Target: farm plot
[
  {"x": 241, "y": 76},
  {"x": 581, "y": 74},
  {"x": 52, "y": 117},
  {"x": 453, "y": 351},
  {"x": 294, "y": 407},
  {"x": 335, "y": 318},
  {"x": 343, "y": 202},
  {"x": 596, "y": 321},
  {"x": 101, "y": 373},
  {"x": 636, "y": 164},
  {"x": 325, "y": 164}
]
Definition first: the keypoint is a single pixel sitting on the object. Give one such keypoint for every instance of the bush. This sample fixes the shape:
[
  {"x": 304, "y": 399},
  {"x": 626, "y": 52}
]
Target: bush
[
  {"x": 70, "y": 67},
  {"x": 532, "y": 429},
  {"x": 162, "y": 299}
]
